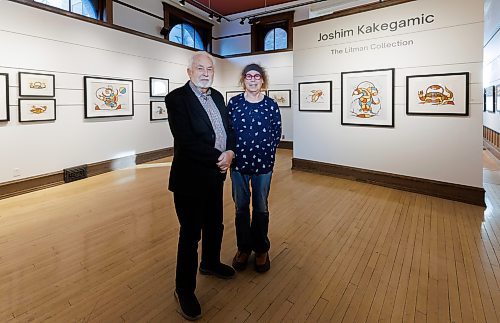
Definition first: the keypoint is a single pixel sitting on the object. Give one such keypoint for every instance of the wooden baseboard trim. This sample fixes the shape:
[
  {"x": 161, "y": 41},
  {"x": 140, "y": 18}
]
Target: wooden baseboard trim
[
  {"x": 450, "y": 191},
  {"x": 286, "y": 145},
  {"x": 492, "y": 148},
  {"x": 36, "y": 183}
]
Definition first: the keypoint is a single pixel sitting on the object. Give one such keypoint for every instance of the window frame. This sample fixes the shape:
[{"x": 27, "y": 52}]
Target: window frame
[
  {"x": 173, "y": 16},
  {"x": 265, "y": 24},
  {"x": 104, "y": 10}
]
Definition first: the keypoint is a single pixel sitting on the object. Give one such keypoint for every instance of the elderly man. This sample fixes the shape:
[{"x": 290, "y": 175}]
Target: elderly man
[{"x": 203, "y": 151}]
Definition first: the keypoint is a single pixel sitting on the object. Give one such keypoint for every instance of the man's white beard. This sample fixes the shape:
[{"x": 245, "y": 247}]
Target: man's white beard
[{"x": 203, "y": 84}]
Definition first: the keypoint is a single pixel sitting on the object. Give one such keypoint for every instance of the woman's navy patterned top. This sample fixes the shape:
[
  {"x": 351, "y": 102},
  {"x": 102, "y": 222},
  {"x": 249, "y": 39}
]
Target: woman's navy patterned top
[{"x": 258, "y": 132}]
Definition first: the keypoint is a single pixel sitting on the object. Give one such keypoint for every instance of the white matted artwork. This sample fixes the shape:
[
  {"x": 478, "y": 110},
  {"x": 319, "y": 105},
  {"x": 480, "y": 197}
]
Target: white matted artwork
[
  {"x": 282, "y": 97},
  {"x": 36, "y": 84},
  {"x": 497, "y": 89},
  {"x": 106, "y": 97},
  {"x": 158, "y": 87},
  {"x": 489, "y": 99},
  {"x": 4, "y": 97},
  {"x": 158, "y": 110},
  {"x": 368, "y": 98},
  {"x": 31, "y": 110},
  {"x": 315, "y": 96},
  {"x": 438, "y": 94},
  {"x": 230, "y": 94}
]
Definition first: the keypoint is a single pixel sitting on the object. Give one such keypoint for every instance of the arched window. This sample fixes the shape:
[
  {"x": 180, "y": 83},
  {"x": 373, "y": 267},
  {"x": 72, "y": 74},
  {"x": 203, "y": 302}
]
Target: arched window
[
  {"x": 276, "y": 39},
  {"x": 87, "y": 8},
  {"x": 187, "y": 35}
]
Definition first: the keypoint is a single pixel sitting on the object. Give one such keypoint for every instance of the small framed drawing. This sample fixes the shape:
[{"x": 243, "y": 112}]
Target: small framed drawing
[
  {"x": 438, "y": 94},
  {"x": 107, "y": 97},
  {"x": 36, "y": 85},
  {"x": 282, "y": 97},
  {"x": 489, "y": 99},
  {"x": 315, "y": 96},
  {"x": 368, "y": 98},
  {"x": 4, "y": 97},
  {"x": 158, "y": 110},
  {"x": 230, "y": 94},
  {"x": 31, "y": 110},
  {"x": 158, "y": 87}
]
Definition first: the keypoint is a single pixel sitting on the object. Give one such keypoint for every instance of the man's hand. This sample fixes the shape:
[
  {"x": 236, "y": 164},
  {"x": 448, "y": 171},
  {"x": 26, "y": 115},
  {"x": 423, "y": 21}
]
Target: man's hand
[{"x": 225, "y": 160}]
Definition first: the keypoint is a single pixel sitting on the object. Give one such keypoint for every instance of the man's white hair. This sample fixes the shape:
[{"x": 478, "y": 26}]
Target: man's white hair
[{"x": 198, "y": 54}]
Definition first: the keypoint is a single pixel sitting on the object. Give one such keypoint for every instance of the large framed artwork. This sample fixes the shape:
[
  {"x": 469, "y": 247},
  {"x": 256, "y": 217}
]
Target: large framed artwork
[
  {"x": 489, "y": 99},
  {"x": 158, "y": 110},
  {"x": 438, "y": 94},
  {"x": 4, "y": 97},
  {"x": 107, "y": 97},
  {"x": 36, "y": 84},
  {"x": 368, "y": 98},
  {"x": 158, "y": 87},
  {"x": 315, "y": 96},
  {"x": 282, "y": 97},
  {"x": 230, "y": 94},
  {"x": 31, "y": 110}
]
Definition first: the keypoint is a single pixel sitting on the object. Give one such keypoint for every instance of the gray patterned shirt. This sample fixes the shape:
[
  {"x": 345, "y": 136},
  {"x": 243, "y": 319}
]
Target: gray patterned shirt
[{"x": 214, "y": 115}]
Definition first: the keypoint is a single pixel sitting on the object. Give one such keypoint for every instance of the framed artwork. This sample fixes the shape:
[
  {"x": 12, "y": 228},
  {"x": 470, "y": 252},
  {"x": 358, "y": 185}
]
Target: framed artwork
[
  {"x": 489, "y": 99},
  {"x": 368, "y": 98},
  {"x": 4, "y": 97},
  {"x": 31, "y": 110},
  {"x": 106, "y": 97},
  {"x": 36, "y": 85},
  {"x": 438, "y": 94},
  {"x": 158, "y": 87},
  {"x": 230, "y": 94},
  {"x": 282, "y": 97},
  {"x": 158, "y": 110},
  {"x": 497, "y": 90},
  {"x": 315, "y": 96}
]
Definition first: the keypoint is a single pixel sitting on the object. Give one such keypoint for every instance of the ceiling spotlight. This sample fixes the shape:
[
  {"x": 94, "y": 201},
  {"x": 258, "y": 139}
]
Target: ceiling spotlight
[
  {"x": 242, "y": 21},
  {"x": 219, "y": 19},
  {"x": 251, "y": 21},
  {"x": 211, "y": 16},
  {"x": 182, "y": 2}
]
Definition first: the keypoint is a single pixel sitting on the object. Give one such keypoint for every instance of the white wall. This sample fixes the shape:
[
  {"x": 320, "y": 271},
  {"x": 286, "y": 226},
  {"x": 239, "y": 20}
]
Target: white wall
[
  {"x": 279, "y": 67},
  {"x": 136, "y": 20},
  {"x": 440, "y": 148},
  {"x": 492, "y": 56},
  {"x": 36, "y": 40}
]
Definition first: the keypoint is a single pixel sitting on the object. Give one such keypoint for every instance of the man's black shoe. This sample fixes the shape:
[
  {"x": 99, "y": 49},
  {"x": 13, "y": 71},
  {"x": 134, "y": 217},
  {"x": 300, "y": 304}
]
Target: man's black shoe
[
  {"x": 190, "y": 308},
  {"x": 221, "y": 271}
]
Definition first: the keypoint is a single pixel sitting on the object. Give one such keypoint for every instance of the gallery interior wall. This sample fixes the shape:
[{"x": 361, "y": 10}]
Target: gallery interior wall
[
  {"x": 442, "y": 148},
  {"x": 492, "y": 56},
  {"x": 39, "y": 41}
]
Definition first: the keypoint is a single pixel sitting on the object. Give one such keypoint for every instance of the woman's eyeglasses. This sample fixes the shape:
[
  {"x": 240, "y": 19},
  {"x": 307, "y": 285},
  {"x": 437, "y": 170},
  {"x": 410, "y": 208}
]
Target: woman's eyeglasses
[{"x": 249, "y": 77}]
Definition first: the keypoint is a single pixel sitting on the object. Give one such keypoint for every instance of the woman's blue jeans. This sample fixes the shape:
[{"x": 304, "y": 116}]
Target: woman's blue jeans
[{"x": 251, "y": 234}]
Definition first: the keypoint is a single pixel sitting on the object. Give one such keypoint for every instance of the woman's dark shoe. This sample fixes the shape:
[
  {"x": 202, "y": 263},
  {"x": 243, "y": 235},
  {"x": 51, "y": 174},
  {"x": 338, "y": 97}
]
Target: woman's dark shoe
[
  {"x": 220, "y": 270},
  {"x": 262, "y": 263},
  {"x": 240, "y": 260},
  {"x": 190, "y": 308}
]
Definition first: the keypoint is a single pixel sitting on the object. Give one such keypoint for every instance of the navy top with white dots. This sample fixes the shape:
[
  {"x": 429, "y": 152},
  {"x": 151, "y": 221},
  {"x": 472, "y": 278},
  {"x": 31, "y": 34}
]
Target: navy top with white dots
[{"x": 258, "y": 132}]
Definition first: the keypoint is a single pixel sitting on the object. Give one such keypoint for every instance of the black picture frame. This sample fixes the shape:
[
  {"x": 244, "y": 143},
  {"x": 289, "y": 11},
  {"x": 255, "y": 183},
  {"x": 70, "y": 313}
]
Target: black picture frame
[
  {"x": 6, "y": 100},
  {"x": 232, "y": 92},
  {"x": 390, "y": 75},
  {"x": 155, "y": 95},
  {"x": 151, "y": 114},
  {"x": 439, "y": 77},
  {"x": 21, "y": 100},
  {"x": 329, "y": 101},
  {"x": 24, "y": 92},
  {"x": 489, "y": 99},
  {"x": 106, "y": 81},
  {"x": 288, "y": 99}
]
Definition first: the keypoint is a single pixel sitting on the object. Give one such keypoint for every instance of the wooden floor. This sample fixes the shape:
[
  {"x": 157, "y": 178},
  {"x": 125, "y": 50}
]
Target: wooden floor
[{"x": 103, "y": 250}]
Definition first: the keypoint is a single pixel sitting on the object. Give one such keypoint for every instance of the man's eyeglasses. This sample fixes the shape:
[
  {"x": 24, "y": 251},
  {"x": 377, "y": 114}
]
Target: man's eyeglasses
[{"x": 249, "y": 77}]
